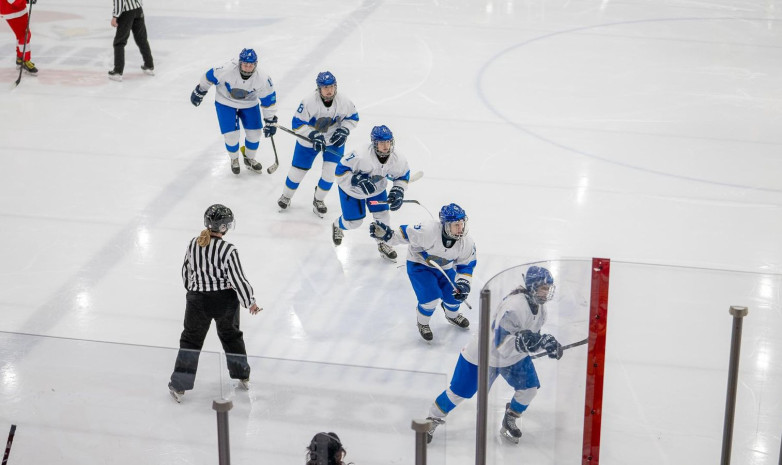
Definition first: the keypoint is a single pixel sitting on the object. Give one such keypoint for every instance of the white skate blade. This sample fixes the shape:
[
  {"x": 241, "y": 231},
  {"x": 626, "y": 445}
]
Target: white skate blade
[
  {"x": 508, "y": 437},
  {"x": 176, "y": 395}
]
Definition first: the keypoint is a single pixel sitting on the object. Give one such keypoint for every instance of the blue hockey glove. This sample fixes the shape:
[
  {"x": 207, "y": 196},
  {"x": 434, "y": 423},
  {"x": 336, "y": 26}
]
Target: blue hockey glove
[
  {"x": 339, "y": 137},
  {"x": 197, "y": 96},
  {"x": 395, "y": 198},
  {"x": 357, "y": 178},
  {"x": 527, "y": 341},
  {"x": 318, "y": 141},
  {"x": 552, "y": 347},
  {"x": 462, "y": 290},
  {"x": 380, "y": 231},
  {"x": 363, "y": 182},
  {"x": 269, "y": 128}
]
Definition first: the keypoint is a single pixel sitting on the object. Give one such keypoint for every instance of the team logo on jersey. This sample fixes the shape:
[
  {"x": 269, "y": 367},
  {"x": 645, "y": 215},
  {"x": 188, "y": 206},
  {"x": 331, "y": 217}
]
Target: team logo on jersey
[
  {"x": 323, "y": 124},
  {"x": 439, "y": 260}
]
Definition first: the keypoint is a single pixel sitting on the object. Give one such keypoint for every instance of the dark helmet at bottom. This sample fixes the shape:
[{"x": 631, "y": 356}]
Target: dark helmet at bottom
[
  {"x": 325, "y": 449},
  {"x": 219, "y": 218}
]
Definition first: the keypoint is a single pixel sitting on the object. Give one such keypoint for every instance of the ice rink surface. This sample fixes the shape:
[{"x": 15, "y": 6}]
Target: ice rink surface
[{"x": 644, "y": 132}]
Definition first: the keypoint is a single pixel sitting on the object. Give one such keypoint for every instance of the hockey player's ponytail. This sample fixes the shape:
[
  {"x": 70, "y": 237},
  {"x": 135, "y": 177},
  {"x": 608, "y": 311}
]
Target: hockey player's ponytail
[{"x": 204, "y": 238}]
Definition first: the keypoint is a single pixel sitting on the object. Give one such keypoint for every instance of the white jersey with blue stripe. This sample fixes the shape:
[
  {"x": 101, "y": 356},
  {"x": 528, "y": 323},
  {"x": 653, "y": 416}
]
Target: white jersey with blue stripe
[
  {"x": 236, "y": 92},
  {"x": 513, "y": 316},
  {"x": 365, "y": 161},
  {"x": 314, "y": 115},
  {"x": 426, "y": 244}
]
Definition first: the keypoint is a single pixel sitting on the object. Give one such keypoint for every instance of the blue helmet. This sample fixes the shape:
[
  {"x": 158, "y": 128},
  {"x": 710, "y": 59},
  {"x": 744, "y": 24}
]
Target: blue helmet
[
  {"x": 248, "y": 55},
  {"x": 380, "y": 134},
  {"x": 536, "y": 277},
  {"x": 450, "y": 214},
  {"x": 325, "y": 79}
]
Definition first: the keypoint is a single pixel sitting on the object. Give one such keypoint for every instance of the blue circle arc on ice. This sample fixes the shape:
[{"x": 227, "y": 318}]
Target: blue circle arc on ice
[{"x": 484, "y": 71}]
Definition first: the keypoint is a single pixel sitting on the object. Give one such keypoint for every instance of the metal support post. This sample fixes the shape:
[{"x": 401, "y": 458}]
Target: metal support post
[
  {"x": 222, "y": 407},
  {"x": 733, "y": 375},
  {"x": 420, "y": 427},
  {"x": 483, "y": 378}
]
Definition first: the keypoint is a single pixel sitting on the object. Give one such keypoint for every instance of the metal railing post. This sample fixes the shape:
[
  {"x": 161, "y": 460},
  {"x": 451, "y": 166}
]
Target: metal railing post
[
  {"x": 733, "y": 374},
  {"x": 483, "y": 378},
  {"x": 420, "y": 427},
  {"x": 222, "y": 407}
]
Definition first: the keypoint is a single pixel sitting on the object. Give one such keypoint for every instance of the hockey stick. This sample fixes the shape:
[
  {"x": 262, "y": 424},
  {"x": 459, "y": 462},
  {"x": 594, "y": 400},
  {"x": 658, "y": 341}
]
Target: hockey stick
[
  {"x": 307, "y": 139},
  {"x": 434, "y": 264},
  {"x": 273, "y": 168},
  {"x": 24, "y": 46},
  {"x": 565, "y": 347},
  {"x": 386, "y": 202},
  {"x": 8, "y": 445}
]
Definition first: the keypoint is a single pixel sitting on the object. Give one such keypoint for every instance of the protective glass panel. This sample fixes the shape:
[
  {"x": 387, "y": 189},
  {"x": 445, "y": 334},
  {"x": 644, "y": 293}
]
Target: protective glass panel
[
  {"x": 552, "y": 418},
  {"x": 667, "y": 358},
  {"x": 370, "y": 409},
  {"x": 77, "y": 402}
]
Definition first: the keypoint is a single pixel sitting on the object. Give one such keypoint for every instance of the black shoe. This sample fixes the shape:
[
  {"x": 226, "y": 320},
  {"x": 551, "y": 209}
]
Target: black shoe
[
  {"x": 150, "y": 70},
  {"x": 386, "y": 251},
  {"x": 283, "y": 202},
  {"x": 250, "y": 162},
  {"x": 27, "y": 65},
  {"x": 509, "y": 430},
  {"x": 336, "y": 234},
  {"x": 235, "y": 166},
  {"x": 176, "y": 395},
  {"x": 435, "y": 423},
  {"x": 115, "y": 76},
  {"x": 425, "y": 331}
]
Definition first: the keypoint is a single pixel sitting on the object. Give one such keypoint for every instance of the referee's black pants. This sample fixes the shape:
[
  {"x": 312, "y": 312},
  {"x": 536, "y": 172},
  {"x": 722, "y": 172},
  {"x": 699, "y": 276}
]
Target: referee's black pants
[
  {"x": 201, "y": 309},
  {"x": 127, "y": 22}
]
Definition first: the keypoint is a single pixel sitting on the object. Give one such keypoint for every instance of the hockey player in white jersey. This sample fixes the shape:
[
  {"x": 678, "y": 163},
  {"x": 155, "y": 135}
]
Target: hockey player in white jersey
[
  {"x": 445, "y": 243},
  {"x": 516, "y": 334},
  {"x": 362, "y": 177},
  {"x": 240, "y": 87},
  {"x": 325, "y": 117}
]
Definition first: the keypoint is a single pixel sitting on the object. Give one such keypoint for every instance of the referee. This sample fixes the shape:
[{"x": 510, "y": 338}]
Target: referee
[
  {"x": 215, "y": 284},
  {"x": 128, "y": 16}
]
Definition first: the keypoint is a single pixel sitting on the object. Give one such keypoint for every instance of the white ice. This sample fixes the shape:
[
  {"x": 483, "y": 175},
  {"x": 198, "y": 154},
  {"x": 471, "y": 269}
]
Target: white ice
[{"x": 644, "y": 132}]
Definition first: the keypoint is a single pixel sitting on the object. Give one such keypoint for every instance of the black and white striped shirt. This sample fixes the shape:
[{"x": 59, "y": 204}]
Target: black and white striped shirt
[
  {"x": 216, "y": 267},
  {"x": 121, "y": 6}
]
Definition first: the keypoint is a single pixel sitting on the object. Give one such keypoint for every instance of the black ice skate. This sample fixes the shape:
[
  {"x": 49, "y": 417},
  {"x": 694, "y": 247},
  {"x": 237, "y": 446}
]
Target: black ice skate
[
  {"x": 386, "y": 251},
  {"x": 435, "y": 423},
  {"x": 283, "y": 202},
  {"x": 336, "y": 234},
  {"x": 176, "y": 395},
  {"x": 459, "y": 320},
  {"x": 250, "y": 162},
  {"x": 149, "y": 70},
  {"x": 28, "y": 66},
  {"x": 509, "y": 430},
  {"x": 235, "y": 165},
  {"x": 115, "y": 76},
  {"x": 318, "y": 207},
  {"x": 425, "y": 331}
]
